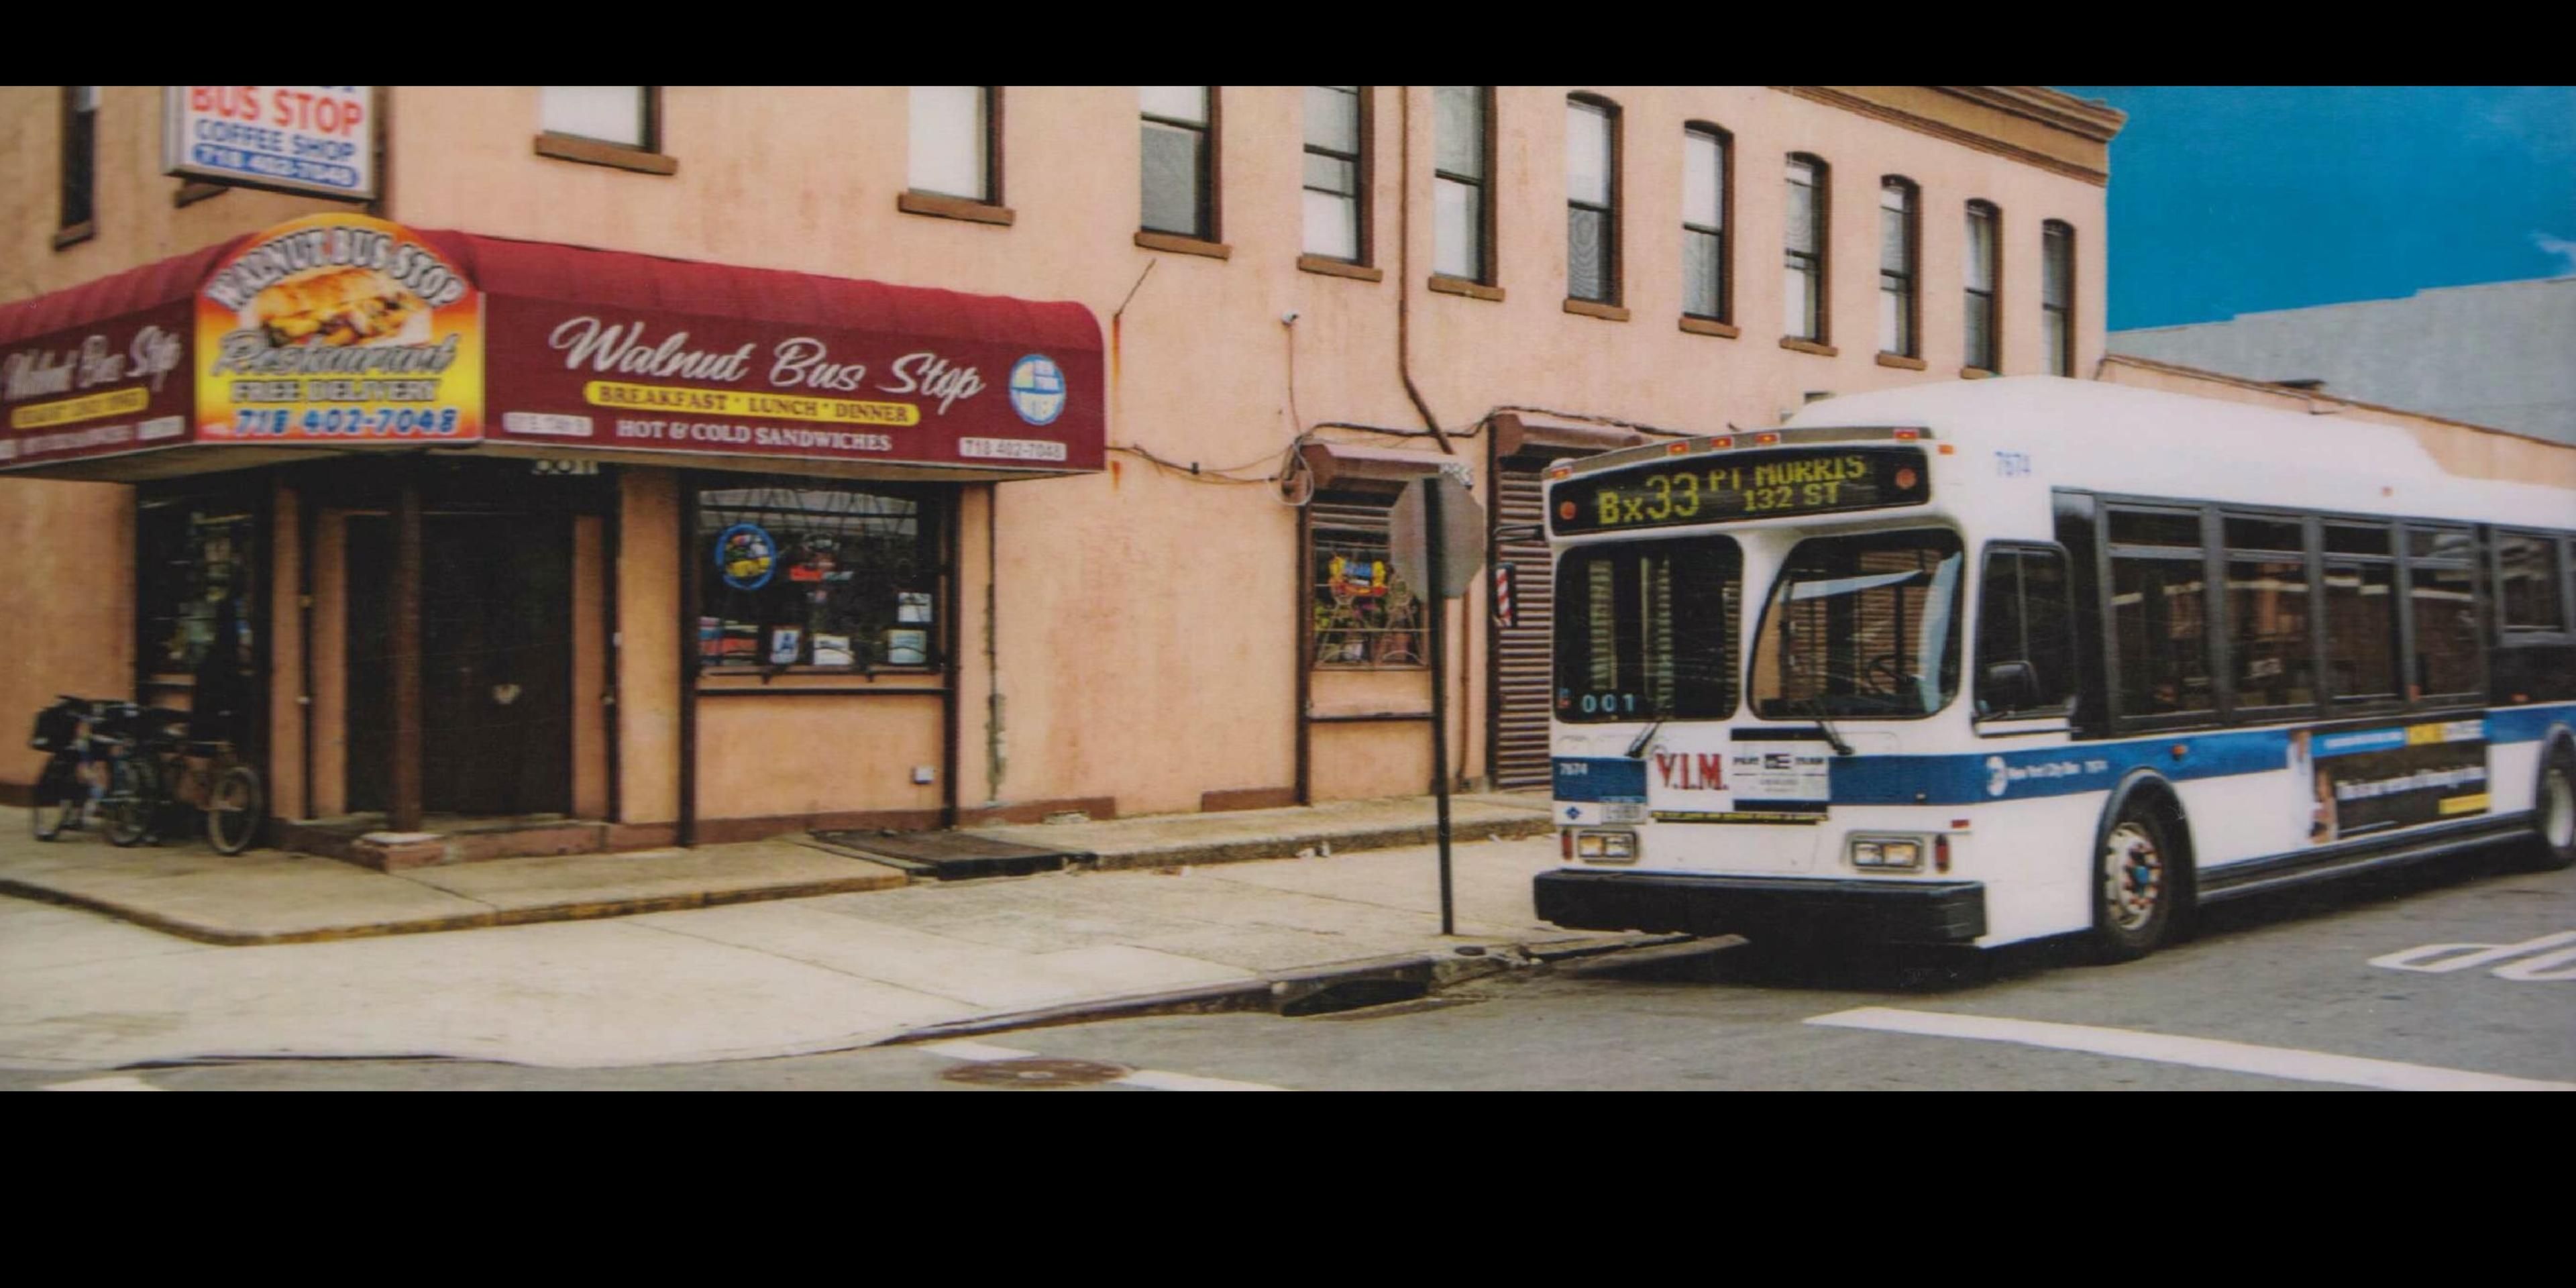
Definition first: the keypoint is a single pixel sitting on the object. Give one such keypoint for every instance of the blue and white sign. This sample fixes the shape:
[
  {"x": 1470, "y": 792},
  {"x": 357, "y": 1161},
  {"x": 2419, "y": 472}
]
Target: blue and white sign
[
  {"x": 290, "y": 138},
  {"x": 746, "y": 557},
  {"x": 1037, "y": 389}
]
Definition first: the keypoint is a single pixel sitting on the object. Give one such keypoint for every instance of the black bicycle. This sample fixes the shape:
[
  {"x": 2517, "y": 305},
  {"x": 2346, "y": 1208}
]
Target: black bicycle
[
  {"x": 63, "y": 787},
  {"x": 176, "y": 773},
  {"x": 93, "y": 760}
]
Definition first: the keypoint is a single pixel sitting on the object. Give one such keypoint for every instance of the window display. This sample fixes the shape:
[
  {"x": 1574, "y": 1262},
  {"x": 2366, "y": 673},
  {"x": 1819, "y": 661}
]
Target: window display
[
  {"x": 199, "y": 556},
  {"x": 818, "y": 573}
]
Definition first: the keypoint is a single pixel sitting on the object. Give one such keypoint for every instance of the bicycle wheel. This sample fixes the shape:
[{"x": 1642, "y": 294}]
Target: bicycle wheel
[
  {"x": 133, "y": 798},
  {"x": 235, "y": 805},
  {"x": 59, "y": 793}
]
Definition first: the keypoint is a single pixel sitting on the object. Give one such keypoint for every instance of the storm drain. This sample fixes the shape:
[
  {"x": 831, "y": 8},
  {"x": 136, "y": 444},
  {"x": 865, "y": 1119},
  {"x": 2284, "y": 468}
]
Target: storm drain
[
  {"x": 1037, "y": 1073},
  {"x": 949, "y": 856},
  {"x": 1355, "y": 994}
]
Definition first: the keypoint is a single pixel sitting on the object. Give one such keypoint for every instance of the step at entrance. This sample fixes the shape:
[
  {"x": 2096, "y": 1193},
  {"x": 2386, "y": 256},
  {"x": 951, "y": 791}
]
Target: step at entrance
[{"x": 950, "y": 856}]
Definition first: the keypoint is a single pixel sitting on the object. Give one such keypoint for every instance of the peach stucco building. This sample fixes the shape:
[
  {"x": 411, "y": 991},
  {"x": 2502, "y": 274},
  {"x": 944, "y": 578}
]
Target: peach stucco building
[{"x": 1129, "y": 560}]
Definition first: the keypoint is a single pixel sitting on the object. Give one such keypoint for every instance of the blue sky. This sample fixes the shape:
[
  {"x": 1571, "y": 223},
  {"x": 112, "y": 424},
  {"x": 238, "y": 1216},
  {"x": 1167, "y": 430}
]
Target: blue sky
[{"x": 2234, "y": 200}]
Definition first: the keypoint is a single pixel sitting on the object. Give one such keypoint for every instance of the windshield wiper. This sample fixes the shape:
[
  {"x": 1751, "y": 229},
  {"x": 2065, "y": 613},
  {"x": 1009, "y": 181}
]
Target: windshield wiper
[
  {"x": 1816, "y": 704},
  {"x": 1663, "y": 712},
  {"x": 1833, "y": 739}
]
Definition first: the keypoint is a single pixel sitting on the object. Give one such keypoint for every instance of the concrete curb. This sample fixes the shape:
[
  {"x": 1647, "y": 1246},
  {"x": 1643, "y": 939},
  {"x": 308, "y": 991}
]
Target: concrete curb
[
  {"x": 1272, "y": 993},
  {"x": 1288, "y": 847},
  {"x": 583, "y": 910}
]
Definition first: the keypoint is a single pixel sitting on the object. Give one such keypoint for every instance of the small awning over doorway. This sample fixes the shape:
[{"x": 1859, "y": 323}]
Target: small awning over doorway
[{"x": 343, "y": 333}]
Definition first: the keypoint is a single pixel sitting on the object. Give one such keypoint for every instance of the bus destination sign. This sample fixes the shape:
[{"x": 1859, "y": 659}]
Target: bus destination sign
[{"x": 1741, "y": 485}]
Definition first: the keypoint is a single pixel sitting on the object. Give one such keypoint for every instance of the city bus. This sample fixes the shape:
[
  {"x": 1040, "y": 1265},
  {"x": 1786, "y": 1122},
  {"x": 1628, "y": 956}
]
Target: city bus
[{"x": 2032, "y": 657}]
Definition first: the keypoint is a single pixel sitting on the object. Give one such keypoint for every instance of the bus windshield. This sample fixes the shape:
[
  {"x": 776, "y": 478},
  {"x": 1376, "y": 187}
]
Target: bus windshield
[
  {"x": 1646, "y": 630},
  {"x": 1862, "y": 627}
]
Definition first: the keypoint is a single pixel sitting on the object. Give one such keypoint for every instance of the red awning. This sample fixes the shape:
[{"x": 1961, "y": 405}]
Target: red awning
[
  {"x": 171, "y": 281},
  {"x": 630, "y": 356}
]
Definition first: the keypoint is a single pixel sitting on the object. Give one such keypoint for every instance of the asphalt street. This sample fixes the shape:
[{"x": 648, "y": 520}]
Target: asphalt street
[{"x": 2347, "y": 986}]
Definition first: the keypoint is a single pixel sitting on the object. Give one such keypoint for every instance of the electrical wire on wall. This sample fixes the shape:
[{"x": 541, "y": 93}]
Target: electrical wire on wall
[{"x": 1591, "y": 419}]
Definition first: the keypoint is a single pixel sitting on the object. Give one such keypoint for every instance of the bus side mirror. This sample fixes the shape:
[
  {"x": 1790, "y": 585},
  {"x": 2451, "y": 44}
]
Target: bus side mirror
[{"x": 2009, "y": 686}]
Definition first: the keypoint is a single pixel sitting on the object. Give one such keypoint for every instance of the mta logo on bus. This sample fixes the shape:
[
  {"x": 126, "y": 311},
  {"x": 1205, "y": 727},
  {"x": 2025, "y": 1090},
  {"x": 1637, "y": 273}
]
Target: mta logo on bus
[{"x": 1692, "y": 772}]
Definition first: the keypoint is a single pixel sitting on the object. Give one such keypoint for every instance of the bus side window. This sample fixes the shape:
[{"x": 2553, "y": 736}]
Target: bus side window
[{"x": 2025, "y": 644}]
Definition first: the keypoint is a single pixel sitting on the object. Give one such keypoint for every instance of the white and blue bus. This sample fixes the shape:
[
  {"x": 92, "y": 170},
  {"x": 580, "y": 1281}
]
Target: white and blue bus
[{"x": 2006, "y": 659}]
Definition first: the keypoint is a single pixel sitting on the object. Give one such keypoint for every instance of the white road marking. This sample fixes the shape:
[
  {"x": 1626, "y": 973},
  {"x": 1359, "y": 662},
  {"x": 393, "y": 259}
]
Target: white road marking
[
  {"x": 2442, "y": 959},
  {"x": 967, "y": 1049},
  {"x": 2548, "y": 967},
  {"x": 120, "y": 1082},
  {"x": 2206, "y": 1053},
  {"x": 1157, "y": 1080}
]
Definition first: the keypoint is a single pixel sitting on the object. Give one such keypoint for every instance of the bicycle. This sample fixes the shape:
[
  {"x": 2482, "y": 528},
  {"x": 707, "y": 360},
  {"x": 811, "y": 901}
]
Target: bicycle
[
  {"x": 132, "y": 796},
  {"x": 204, "y": 774},
  {"x": 63, "y": 787}
]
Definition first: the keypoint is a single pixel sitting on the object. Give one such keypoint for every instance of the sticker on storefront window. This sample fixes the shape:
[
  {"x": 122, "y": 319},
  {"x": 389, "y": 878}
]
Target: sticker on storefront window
[
  {"x": 745, "y": 556},
  {"x": 1037, "y": 389}
]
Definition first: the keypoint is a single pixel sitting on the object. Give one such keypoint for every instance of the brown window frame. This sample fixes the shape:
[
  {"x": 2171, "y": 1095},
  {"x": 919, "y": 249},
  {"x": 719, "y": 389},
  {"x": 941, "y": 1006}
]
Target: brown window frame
[
  {"x": 1487, "y": 218},
  {"x": 644, "y": 158},
  {"x": 1208, "y": 210},
  {"x": 1611, "y": 267},
  {"x": 1820, "y": 259},
  {"x": 78, "y": 176},
  {"x": 1990, "y": 300},
  {"x": 1910, "y": 317},
  {"x": 2057, "y": 250},
  {"x": 1724, "y": 232},
  {"x": 990, "y": 208},
  {"x": 1393, "y": 643},
  {"x": 936, "y": 515},
  {"x": 1363, "y": 165}
]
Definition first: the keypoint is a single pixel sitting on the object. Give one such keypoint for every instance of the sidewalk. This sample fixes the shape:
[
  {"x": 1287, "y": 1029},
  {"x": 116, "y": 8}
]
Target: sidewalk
[{"x": 817, "y": 951}]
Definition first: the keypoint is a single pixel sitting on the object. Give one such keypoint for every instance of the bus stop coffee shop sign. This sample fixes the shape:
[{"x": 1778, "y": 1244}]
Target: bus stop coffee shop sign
[
  {"x": 795, "y": 367},
  {"x": 340, "y": 329},
  {"x": 317, "y": 139}
]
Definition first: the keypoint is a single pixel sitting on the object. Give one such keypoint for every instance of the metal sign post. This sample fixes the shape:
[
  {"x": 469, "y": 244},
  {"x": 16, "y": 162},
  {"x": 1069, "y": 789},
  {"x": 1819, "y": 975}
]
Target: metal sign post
[{"x": 1435, "y": 542}]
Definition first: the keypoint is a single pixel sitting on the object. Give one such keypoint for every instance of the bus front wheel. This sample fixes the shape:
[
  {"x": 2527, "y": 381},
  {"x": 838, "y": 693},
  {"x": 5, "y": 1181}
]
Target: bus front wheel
[
  {"x": 2554, "y": 813},
  {"x": 2136, "y": 879}
]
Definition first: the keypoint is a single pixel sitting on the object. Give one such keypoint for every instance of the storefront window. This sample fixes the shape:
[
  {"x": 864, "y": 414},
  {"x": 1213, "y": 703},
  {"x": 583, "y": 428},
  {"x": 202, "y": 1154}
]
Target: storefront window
[
  {"x": 197, "y": 577},
  {"x": 1364, "y": 614},
  {"x": 816, "y": 573}
]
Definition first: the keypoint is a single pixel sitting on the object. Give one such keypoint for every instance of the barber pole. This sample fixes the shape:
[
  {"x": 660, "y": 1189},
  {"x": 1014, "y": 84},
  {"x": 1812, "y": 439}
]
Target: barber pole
[{"x": 1503, "y": 610}]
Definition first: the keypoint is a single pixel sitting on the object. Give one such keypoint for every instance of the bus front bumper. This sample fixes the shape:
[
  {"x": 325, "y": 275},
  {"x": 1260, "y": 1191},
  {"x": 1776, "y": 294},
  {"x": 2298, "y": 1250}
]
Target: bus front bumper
[{"x": 1904, "y": 912}]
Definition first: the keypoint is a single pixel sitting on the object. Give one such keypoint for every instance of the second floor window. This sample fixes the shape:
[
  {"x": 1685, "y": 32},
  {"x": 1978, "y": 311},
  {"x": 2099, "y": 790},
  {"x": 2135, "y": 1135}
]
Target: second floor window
[
  {"x": 2057, "y": 296},
  {"x": 1896, "y": 260},
  {"x": 952, "y": 152},
  {"x": 1462, "y": 169},
  {"x": 1803, "y": 283},
  {"x": 1179, "y": 160},
  {"x": 1337, "y": 172},
  {"x": 1983, "y": 322},
  {"x": 1591, "y": 201},
  {"x": 619, "y": 114},
  {"x": 1704, "y": 258},
  {"x": 80, "y": 154}
]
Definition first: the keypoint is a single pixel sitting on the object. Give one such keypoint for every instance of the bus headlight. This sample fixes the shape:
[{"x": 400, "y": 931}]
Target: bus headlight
[
  {"x": 1897, "y": 852},
  {"x": 1606, "y": 847}
]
